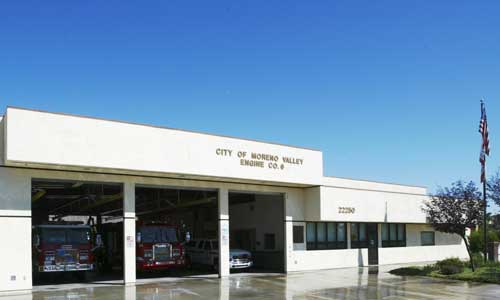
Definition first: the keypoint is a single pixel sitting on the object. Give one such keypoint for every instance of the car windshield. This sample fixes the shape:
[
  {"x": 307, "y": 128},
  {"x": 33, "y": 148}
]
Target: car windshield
[
  {"x": 156, "y": 234},
  {"x": 65, "y": 235}
]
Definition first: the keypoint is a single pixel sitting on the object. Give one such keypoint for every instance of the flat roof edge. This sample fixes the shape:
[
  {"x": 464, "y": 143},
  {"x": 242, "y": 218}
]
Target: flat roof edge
[
  {"x": 374, "y": 181},
  {"x": 159, "y": 127}
]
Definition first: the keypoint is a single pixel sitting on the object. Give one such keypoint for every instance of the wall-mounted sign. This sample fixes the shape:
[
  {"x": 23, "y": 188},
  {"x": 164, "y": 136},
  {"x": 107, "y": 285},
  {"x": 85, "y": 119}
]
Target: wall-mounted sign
[
  {"x": 346, "y": 210},
  {"x": 260, "y": 160}
]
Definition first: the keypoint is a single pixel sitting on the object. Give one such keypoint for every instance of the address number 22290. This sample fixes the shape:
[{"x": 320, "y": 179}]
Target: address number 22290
[{"x": 346, "y": 210}]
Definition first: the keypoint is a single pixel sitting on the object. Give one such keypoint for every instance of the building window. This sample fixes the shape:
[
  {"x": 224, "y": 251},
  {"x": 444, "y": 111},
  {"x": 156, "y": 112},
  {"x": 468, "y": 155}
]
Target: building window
[
  {"x": 427, "y": 238},
  {"x": 269, "y": 241},
  {"x": 393, "y": 235},
  {"x": 298, "y": 234},
  {"x": 322, "y": 236},
  {"x": 359, "y": 235}
]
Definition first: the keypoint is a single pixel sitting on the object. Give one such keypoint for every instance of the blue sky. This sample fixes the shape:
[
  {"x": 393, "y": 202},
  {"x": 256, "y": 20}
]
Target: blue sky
[{"x": 389, "y": 90}]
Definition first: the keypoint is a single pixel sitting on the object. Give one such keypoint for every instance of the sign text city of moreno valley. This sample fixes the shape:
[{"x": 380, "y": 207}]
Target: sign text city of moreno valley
[{"x": 260, "y": 160}]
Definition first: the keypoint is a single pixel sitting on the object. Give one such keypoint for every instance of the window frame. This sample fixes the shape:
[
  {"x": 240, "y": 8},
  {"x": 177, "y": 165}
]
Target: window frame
[
  {"x": 326, "y": 244},
  {"x": 393, "y": 241},
  {"x": 358, "y": 243},
  {"x": 298, "y": 237},
  {"x": 433, "y": 238}
]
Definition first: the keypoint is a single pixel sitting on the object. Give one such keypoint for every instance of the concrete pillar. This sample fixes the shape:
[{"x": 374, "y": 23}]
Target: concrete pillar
[
  {"x": 288, "y": 243},
  {"x": 129, "y": 233},
  {"x": 223, "y": 232},
  {"x": 288, "y": 231},
  {"x": 15, "y": 231}
]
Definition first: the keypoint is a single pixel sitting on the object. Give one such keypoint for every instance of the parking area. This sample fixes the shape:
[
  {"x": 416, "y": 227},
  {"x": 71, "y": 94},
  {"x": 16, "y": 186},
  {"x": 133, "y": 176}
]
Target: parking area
[{"x": 352, "y": 283}]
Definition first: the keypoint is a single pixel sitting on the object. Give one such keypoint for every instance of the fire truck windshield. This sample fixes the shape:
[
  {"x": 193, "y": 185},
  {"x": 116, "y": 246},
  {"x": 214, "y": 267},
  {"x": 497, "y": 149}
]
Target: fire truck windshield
[
  {"x": 65, "y": 235},
  {"x": 157, "y": 234}
]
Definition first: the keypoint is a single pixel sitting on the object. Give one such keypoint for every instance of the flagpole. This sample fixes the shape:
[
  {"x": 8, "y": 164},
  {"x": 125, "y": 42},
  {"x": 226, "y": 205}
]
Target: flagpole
[
  {"x": 485, "y": 151},
  {"x": 485, "y": 235}
]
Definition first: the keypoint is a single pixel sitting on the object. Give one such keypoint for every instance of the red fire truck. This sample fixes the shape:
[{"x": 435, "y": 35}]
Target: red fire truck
[
  {"x": 158, "y": 247},
  {"x": 62, "y": 248}
]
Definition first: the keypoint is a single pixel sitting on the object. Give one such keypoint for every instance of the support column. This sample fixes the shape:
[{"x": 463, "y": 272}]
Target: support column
[
  {"x": 223, "y": 232},
  {"x": 288, "y": 232},
  {"x": 129, "y": 233},
  {"x": 15, "y": 230}
]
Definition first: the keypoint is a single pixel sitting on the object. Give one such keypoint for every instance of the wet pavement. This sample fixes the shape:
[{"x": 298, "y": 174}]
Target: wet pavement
[{"x": 353, "y": 283}]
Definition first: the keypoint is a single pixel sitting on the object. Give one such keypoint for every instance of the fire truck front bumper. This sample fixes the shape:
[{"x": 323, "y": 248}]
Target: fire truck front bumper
[
  {"x": 66, "y": 268},
  {"x": 163, "y": 265}
]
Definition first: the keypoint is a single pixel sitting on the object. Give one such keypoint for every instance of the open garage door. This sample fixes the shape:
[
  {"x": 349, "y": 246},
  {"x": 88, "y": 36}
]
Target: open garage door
[
  {"x": 176, "y": 231},
  {"x": 77, "y": 231},
  {"x": 257, "y": 230}
]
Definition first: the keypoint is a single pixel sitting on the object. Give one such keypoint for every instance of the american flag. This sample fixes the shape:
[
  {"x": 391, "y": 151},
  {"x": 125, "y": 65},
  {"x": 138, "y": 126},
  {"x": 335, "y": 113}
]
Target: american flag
[{"x": 485, "y": 147}]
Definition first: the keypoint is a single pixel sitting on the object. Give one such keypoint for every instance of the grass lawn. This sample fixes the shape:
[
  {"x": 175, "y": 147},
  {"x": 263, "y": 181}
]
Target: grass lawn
[{"x": 487, "y": 273}]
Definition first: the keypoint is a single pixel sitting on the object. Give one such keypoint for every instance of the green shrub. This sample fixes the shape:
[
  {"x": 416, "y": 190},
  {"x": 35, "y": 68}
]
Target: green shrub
[
  {"x": 427, "y": 269},
  {"x": 450, "y": 266},
  {"x": 408, "y": 271}
]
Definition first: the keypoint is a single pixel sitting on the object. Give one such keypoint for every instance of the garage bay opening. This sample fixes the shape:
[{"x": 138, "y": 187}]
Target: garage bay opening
[
  {"x": 256, "y": 224},
  {"x": 77, "y": 231},
  {"x": 177, "y": 231}
]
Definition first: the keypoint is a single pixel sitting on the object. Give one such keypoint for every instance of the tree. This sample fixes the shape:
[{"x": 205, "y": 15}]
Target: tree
[
  {"x": 494, "y": 188},
  {"x": 476, "y": 239},
  {"x": 454, "y": 209}
]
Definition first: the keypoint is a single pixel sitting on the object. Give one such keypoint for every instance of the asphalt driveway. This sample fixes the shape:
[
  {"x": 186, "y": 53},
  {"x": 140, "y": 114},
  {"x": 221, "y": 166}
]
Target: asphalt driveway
[{"x": 354, "y": 283}]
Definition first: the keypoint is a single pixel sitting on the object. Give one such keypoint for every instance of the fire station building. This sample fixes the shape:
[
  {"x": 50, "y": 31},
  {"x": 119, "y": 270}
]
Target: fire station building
[{"x": 271, "y": 200}]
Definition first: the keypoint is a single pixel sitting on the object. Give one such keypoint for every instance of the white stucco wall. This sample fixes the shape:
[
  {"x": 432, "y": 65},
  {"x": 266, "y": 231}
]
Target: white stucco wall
[
  {"x": 15, "y": 230},
  {"x": 441, "y": 239},
  {"x": 327, "y": 259},
  {"x": 295, "y": 202},
  {"x": 372, "y": 202},
  {"x": 446, "y": 246},
  {"x": 312, "y": 204},
  {"x": 56, "y": 140}
]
